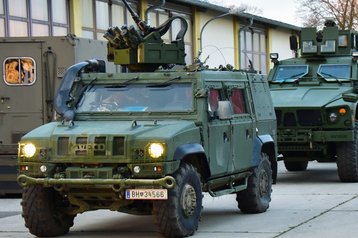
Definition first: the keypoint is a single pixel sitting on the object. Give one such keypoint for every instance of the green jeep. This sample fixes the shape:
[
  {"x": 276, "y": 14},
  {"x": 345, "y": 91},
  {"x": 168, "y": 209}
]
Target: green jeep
[
  {"x": 149, "y": 143},
  {"x": 315, "y": 97}
]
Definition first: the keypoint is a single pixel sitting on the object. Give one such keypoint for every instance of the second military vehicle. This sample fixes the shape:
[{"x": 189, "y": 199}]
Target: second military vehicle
[
  {"x": 315, "y": 98},
  {"x": 32, "y": 69},
  {"x": 149, "y": 142}
]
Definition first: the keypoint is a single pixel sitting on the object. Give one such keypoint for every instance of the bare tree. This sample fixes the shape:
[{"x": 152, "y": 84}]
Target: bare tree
[{"x": 315, "y": 12}]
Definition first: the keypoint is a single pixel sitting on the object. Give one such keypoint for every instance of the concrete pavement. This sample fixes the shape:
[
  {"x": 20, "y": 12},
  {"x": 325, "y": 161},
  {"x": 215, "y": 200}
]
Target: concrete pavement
[{"x": 304, "y": 204}]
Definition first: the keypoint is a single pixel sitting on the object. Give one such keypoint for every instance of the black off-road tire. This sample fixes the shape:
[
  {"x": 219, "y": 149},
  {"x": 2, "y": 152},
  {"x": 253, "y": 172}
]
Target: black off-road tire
[
  {"x": 179, "y": 215},
  {"x": 43, "y": 211},
  {"x": 347, "y": 159},
  {"x": 296, "y": 165},
  {"x": 256, "y": 198}
]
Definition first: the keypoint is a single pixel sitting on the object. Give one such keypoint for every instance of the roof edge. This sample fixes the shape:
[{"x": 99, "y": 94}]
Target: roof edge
[{"x": 210, "y": 6}]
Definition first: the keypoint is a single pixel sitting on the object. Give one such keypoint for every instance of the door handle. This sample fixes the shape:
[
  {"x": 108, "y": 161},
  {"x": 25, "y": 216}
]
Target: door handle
[
  {"x": 248, "y": 134},
  {"x": 225, "y": 137},
  {"x": 3, "y": 99}
]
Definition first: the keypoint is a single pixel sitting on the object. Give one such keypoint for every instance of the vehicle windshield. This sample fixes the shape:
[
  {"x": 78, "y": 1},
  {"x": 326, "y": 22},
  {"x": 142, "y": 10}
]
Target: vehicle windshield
[
  {"x": 334, "y": 72},
  {"x": 137, "y": 98},
  {"x": 290, "y": 73}
]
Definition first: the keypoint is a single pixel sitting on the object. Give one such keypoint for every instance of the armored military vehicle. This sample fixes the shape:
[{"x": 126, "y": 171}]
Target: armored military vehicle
[
  {"x": 31, "y": 69},
  {"x": 149, "y": 141},
  {"x": 315, "y": 97}
]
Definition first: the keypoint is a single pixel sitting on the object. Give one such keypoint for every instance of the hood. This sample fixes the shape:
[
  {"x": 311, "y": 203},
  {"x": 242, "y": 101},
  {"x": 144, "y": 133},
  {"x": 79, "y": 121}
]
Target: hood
[
  {"x": 142, "y": 129},
  {"x": 306, "y": 97}
]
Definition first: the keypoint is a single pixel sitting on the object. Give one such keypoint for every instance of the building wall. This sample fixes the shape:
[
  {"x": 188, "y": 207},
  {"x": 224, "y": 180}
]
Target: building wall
[
  {"x": 217, "y": 40},
  {"x": 221, "y": 42},
  {"x": 279, "y": 43}
]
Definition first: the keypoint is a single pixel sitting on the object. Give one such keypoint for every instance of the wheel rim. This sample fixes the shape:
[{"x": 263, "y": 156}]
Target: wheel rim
[
  {"x": 188, "y": 200},
  {"x": 264, "y": 181}
]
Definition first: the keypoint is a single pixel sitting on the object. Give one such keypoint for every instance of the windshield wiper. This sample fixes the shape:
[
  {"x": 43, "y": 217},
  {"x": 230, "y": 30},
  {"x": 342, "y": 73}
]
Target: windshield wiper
[
  {"x": 331, "y": 76},
  {"x": 85, "y": 88},
  {"x": 291, "y": 77}
]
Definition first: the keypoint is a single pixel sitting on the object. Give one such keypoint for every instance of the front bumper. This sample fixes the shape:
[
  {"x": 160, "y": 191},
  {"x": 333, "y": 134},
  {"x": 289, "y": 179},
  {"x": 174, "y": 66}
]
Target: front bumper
[
  {"x": 308, "y": 136},
  {"x": 166, "y": 182}
]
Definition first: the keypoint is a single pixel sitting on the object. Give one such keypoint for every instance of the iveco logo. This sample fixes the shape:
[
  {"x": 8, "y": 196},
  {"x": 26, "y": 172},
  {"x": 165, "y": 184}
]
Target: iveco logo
[
  {"x": 99, "y": 147},
  {"x": 83, "y": 147}
]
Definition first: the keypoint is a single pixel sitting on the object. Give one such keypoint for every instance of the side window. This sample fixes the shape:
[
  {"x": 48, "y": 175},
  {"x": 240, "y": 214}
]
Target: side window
[
  {"x": 237, "y": 99},
  {"x": 19, "y": 71},
  {"x": 213, "y": 101}
]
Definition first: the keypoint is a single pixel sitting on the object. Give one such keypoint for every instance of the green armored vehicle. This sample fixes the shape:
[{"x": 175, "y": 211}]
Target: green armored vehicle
[
  {"x": 315, "y": 98},
  {"x": 149, "y": 142}
]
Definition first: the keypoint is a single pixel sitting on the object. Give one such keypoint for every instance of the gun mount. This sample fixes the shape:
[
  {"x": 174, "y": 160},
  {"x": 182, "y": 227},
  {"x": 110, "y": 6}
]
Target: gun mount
[
  {"x": 330, "y": 41},
  {"x": 143, "y": 49}
]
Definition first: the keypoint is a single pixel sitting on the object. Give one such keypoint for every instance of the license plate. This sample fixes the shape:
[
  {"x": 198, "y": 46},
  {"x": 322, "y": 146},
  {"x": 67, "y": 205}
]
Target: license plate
[{"x": 146, "y": 194}]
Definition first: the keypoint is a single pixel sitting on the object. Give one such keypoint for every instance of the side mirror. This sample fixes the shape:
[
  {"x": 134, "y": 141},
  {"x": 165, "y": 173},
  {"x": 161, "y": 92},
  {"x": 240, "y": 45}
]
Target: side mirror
[
  {"x": 224, "y": 110},
  {"x": 293, "y": 43},
  {"x": 350, "y": 97}
]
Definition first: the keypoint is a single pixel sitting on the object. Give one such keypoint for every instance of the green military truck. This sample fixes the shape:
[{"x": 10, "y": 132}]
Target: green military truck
[
  {"x": 315, "y": 97},
  {"x": 149, "y": 142},
  {"x": 31, "y": 69}
]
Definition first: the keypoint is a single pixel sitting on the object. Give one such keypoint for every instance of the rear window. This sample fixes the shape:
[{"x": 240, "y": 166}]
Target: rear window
[{"x": 19, "y": 71}]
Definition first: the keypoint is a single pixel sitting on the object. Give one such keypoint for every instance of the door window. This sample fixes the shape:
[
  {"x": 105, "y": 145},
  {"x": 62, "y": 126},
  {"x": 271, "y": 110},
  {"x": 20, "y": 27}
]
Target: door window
[
  {"x": 238, "y": 101},
  {"x": 19, "y": 71},
  {"x": 213, "y": 101}
]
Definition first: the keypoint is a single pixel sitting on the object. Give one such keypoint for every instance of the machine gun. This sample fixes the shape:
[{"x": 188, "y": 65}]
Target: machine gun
[{"x": 143, "y": 49}]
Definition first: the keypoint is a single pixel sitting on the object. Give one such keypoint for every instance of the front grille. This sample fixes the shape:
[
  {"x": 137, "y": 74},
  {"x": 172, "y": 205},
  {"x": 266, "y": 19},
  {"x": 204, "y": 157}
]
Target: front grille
[
  {"x": 99, "y": 146},
  {"x": 309, "y": 117},
  {"x": 118, "y": 146},
  {"x": 289, "y": 119},
  {"x": 81, "y": 146},
  {"x": 62, "y": 146},
  {"x": 302, "y": 117},
  {"x": 87, "y": 146}
]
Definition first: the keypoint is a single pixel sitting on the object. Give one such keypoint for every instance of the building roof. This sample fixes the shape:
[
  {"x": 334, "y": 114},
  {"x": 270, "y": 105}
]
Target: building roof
[{"x": 259, "y": 19}]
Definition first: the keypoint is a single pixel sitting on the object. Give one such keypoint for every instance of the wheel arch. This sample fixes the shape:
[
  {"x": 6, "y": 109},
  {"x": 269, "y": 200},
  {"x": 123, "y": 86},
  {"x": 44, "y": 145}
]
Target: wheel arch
[
  {"x": 194, "y": 154},
  {"x": 265, "y": 144}
]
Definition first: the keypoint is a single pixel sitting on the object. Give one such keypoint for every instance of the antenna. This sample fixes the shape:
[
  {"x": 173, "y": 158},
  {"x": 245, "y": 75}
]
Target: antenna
[{"x": 230, "y": 12}]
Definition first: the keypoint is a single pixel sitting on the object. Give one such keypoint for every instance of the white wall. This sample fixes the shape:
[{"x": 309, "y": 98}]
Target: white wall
[
  {"x": 280, "y": 43},
  {"x": 217, "y": 40}
]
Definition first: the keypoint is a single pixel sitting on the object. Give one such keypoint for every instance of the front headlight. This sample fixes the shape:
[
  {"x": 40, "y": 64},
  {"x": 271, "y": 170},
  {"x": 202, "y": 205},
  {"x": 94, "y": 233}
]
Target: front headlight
[
  {"x": 155, "y": 150},
  {"x": 333, "y": 117},
  {"x": 29, "y": 150}
]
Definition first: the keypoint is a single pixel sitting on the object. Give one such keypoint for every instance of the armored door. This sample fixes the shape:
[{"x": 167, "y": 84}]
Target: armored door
[
  {"x": 242, "y": 127},
  {"x": 219, "y": 133}
]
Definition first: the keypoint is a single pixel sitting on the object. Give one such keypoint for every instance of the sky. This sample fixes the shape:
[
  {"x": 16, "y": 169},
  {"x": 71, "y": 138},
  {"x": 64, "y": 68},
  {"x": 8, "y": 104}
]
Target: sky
[{"x": 280, "y": 10}]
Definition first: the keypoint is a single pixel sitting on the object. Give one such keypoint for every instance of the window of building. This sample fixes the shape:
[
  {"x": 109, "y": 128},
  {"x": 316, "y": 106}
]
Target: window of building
[
  {"x": 102, "y": 14},
  {"x": 2, "y": 19},
  {"x": 34, "y": 18},
  {"x": 1, "y": 7},
  {"x": 253, "y": 50},
  {"x": 19, "y": 70}
]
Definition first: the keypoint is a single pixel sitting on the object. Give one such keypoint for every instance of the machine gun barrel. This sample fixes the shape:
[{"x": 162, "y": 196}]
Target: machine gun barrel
[{"x": 141, "y": 24}]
